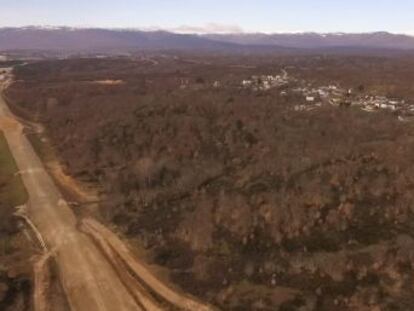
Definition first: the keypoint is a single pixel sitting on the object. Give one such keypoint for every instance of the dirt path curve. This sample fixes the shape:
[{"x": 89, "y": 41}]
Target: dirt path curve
[
  {"x": 96, "y": 269},
  {"x": 89, "y": 281},
  {"x": 119, "y": 253}
]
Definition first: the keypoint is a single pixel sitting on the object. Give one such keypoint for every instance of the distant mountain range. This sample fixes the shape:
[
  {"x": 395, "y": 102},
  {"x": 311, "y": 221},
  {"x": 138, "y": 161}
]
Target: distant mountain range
[
  {"x": 381, "y": 40},
  {"x": 76, "y": 39}
]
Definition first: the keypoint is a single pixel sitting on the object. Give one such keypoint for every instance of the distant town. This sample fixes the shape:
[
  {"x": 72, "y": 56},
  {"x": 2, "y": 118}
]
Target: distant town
[
  {"x": 314, "y": 97},
  {"x": 317, "y": 96}
]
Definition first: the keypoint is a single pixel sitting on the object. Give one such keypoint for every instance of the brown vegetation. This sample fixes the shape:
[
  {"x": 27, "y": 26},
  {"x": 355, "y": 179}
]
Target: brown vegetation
[
  {"x": 251, "y": 205},
  {"x": 15, "y": 251}
]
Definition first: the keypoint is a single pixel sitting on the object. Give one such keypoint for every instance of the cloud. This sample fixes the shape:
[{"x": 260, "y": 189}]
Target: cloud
[{"x": 207, "y": 29}]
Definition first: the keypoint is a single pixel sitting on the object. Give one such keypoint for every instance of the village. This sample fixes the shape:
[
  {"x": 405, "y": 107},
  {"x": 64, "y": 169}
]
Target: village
[
  {"x": 266, "y": 82},
  {"x": 315, "y": 97},
  {"x": 312, "y": 97}
]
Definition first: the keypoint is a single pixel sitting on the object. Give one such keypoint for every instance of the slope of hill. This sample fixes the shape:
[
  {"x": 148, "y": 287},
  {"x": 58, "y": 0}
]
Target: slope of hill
[
  {"x": 93, "y": 39},
  {"x": 70, "y": 39},
  {"x": 382, "y": 40},
  {"x": 249, "y": 204}
]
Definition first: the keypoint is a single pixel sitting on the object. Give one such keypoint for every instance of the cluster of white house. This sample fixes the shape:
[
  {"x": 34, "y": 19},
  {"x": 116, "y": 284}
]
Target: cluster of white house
[
  {"x": 265, "y": 82},
  {"x": 320, "y": 94},
  {"x": 372, "y": 103},
  {"x": 336, "y": 96},
  {"x": 315, "y": 97}
]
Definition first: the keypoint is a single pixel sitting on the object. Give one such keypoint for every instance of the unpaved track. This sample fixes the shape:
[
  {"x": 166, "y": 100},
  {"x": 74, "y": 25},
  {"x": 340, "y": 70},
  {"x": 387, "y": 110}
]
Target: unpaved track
[
  {"x": 96, "y": 269},
  {"x": 41, "y": 273},
  {"x": 89, "y": 281},
  {"x": 121, "y": 256}
]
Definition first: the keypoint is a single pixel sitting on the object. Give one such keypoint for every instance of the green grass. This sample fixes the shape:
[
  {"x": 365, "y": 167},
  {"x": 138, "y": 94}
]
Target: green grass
[{"x": 12, "y": 190}]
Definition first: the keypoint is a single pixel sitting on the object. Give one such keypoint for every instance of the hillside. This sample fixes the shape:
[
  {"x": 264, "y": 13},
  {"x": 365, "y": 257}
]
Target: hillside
[
  {"x": 247, "y": 202},
  {"x": 69, "y": 39},
  {"x": 381, "y": 40},
  {"x": 124, "y": 40}
]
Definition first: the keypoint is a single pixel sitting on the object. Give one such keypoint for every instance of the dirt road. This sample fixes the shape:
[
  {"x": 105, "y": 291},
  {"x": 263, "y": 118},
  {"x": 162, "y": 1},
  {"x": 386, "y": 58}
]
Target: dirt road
[
  {"x": 121, "y": 256},
  {"x": 89, "y": 281},
  {"x": 96, "y": 269}
]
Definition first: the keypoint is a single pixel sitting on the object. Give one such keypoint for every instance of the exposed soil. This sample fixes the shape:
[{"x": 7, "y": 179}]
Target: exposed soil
[
  {"x": 19, "y": 249},
  {"x": 250, "y": 205}
]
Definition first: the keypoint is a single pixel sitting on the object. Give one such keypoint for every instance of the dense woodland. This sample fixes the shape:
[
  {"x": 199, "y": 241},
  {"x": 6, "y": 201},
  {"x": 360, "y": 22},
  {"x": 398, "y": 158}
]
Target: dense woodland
[{"x": 249, "y": 204}]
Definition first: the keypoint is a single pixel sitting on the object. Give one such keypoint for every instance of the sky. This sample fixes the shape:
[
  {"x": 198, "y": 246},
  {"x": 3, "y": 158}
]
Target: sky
[{"x": 270, "y": 16}]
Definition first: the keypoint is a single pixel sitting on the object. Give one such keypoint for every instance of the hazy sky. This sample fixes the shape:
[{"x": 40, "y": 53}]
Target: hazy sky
[{"x": 216, "y": 15}]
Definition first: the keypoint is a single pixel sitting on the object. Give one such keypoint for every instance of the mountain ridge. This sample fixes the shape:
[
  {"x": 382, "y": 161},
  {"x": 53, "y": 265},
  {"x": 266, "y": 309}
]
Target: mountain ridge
[
  {"x": 103, "y": 39},
  {"x": 311, "y": 40}
]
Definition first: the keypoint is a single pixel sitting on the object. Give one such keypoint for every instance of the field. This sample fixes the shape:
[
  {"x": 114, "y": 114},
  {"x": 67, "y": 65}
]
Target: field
[{"x": 249, "y": 203}]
